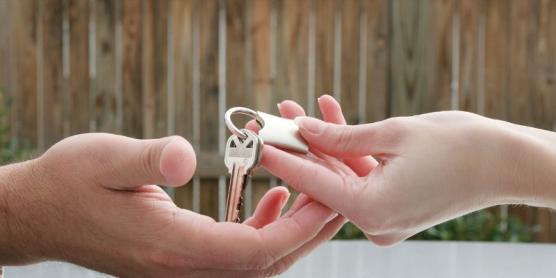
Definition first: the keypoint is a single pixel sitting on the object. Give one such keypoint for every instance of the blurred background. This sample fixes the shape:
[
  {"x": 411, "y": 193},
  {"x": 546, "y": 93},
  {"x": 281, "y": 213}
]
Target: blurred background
[{"x": 146, "y": 68}]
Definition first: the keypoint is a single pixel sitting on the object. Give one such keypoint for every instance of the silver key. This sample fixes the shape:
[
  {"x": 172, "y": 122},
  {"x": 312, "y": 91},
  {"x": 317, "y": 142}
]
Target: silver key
[{"x": 243, "y": 153}]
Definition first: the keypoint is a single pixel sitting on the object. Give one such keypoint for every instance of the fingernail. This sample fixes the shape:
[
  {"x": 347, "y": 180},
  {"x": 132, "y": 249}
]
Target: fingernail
[{"x": 309, "y": 124}]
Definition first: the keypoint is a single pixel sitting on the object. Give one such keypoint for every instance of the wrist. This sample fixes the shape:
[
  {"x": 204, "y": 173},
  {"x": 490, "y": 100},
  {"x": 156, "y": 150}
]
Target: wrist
[
  {"x": 528, "y": 172},
  {"x": 16, "y": 244}
]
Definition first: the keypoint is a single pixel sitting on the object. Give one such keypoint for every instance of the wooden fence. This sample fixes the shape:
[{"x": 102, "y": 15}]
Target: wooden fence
[{"x": 147, "y": 68}]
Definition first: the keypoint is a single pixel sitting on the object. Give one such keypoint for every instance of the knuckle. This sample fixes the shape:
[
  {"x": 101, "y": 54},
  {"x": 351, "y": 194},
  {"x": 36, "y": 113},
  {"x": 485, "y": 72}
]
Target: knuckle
[
  {"x": 396, "y": 125},
  {"x": 344, "y": 138},
  {"x": 148, "y": 159}
]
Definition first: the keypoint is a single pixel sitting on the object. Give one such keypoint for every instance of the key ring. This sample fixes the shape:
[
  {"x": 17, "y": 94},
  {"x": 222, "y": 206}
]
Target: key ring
[{"x": 243, "y": 111}]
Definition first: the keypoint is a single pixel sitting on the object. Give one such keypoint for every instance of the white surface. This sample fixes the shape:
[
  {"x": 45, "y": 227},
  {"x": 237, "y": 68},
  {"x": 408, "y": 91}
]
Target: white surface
[{"x": 409, "y": 259}]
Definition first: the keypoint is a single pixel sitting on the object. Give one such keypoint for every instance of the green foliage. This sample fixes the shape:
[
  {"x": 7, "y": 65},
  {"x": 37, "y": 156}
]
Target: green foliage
[{"x": 482, "y": 225}]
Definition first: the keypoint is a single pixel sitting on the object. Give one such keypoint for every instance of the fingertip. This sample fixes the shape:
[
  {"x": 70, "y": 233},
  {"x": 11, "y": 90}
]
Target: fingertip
[
  {"x": 177, "y": 161},
  {"x": 290, "y": 109},
  {"x": 253, "y": 126}
]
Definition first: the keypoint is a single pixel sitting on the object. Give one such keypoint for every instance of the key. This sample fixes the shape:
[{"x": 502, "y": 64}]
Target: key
[{"x": 241, "y": 157}]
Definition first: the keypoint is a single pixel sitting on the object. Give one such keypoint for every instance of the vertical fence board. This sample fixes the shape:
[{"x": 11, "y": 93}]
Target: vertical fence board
[
  {"x": 5, "y": 85},
  {"x": 349, "y": 58},
  {"x": 521, "y": 41},
  {"x": 103, "y": 72},
  {"x": 259, "y": 62},
  {"x": 154, "y": 68},
  {"x": 496, "y": 60},
  {"x": 181, "y": 88},
  {"x": 52, "y": 119},
  {"x": 468, "y": 29},
  {"x": 419, "y": 69},
  {"x": 208, "y": 51},
  {"x": 542, "y": 58},
  {"x": 409, "y": 56},
  {"x": 132, "y": 68},
  {"x": 324, "y": 63},
  {"x": 78, "y": 110},
  {"x": 24, "y": 30},
  {"x": 440, "y": 63},
  {"x": 147, "y": 60},
  {"x": 291, "y": 52},
  {"x": 377, "y": 52},
  {"x": 237, "y": 93}
]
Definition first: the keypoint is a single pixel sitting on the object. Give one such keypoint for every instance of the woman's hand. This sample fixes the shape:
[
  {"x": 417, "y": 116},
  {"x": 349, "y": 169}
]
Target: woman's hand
[
  {"x": 433, "y": 167},
  {"x": 91, "y": 200}
]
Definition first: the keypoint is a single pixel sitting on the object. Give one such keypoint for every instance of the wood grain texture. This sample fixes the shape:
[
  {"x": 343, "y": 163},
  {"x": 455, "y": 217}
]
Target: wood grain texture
[
  {"x": 420, "y": 80},
  {"x": 181, "y": 86},
  {"x": 78, "y": 104},
  {"x": 53, "y": 101},
  {"x": 376, "y": 69},
  {"x": 132, "y": 68},
  {"x": 24, "y": 30},
  {"x": 259, "y": 73},
  {"x": 496, "y": 59},
  {"x": 348, "y": 67},
  {"x": 291, "y": 52},
  {"x": 469, "y": 13},
  {"x": 208, "y": 59},
  {"x": 409, "y": 57},
  {"x": 324, "y": 63},
  {"x": 103, "y": 88},
  {"x": 154, "y": 68},
  {"x": 7, "y": 95}
]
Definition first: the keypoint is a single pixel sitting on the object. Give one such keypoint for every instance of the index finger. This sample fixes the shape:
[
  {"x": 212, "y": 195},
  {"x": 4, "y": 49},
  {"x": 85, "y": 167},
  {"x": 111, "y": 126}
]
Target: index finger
[{"x": 308, "y": 176}]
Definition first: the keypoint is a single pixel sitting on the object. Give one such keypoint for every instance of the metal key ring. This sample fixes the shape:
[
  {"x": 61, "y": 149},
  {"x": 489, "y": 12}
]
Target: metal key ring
[{"x": 243, "y": 111}]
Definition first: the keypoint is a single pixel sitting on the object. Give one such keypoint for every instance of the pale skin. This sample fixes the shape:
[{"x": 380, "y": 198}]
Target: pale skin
[
  {"x": 90, "y": 200},
  {"x": 397, "y": 177}
]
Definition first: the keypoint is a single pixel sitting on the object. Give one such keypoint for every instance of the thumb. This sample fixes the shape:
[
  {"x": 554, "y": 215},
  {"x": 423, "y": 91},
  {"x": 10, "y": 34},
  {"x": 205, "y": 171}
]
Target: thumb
[
  {"x": 346, "y": 140},
  {"x": 166, "y": 161}
]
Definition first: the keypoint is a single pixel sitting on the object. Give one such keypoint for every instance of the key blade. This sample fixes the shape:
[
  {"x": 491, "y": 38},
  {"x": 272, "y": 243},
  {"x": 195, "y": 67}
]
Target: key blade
[{"x": 235, "y": 193}]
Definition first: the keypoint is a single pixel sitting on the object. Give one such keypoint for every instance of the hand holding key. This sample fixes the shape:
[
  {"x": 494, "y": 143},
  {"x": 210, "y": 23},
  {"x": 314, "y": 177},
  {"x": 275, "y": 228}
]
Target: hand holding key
[
  {"x": 91, "y": 200},
  {"x": 433, "y": 167}
]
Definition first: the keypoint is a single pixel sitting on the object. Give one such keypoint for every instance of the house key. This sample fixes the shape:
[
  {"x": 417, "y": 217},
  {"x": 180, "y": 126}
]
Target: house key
[
  {"x": 243, "y": 152},
  {"x": 244, "y": 149}
]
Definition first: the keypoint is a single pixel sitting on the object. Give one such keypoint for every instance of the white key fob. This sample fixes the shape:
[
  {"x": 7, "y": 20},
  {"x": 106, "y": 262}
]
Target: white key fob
[
  {"x": 277, "y": 131},
  {"x": 282, "y": 133}
]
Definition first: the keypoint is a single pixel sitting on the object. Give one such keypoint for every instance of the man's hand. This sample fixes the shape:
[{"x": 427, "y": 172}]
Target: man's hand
[
  {"x": 433, "y": 167},
  {"x": 91, "y": 200}
]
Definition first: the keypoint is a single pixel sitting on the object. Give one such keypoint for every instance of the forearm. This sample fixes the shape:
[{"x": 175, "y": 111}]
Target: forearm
[{"x": 14, "y": 179}]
